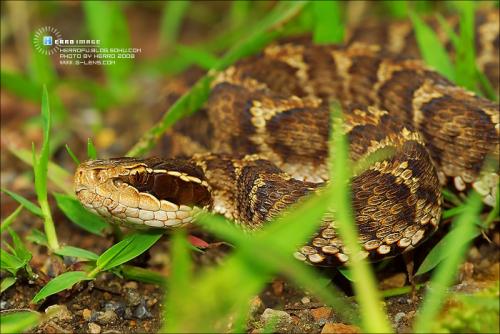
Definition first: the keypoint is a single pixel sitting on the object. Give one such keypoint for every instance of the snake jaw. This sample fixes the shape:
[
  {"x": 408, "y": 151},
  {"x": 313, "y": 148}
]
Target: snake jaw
[{"x": 135, "y": 194}]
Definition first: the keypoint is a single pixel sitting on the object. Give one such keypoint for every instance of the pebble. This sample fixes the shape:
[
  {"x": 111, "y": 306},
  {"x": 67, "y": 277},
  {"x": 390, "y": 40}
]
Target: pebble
[
  {"x": 117, "y": 307},
  {"x": 305, "y": 300},
  {"x": 131, "y": 285},
  {"x": 133, "y": 297},
  {"x": 94, "y": 328},
  {"x": 107, "y": 317},
  {"x": 141, "y": 312},
  {"x": 57, "y": 311},
  {"x": 281, "y": 317},
  {"x": 398, "y": 317},
  {"x": 335, "y": 327},
  {"x": 86, "y": 314},
  {"x": 4, "y": 304},
  {"x": 321, "y": 314}
]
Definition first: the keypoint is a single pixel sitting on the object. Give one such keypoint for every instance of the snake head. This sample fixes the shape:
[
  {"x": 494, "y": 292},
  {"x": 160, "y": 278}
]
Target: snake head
[{"x": 150, "y": 192}]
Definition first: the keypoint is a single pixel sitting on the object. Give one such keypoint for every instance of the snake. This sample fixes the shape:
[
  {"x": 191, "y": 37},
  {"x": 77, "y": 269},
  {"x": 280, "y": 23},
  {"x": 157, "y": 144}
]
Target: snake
[{"x": 260, "y": 144}]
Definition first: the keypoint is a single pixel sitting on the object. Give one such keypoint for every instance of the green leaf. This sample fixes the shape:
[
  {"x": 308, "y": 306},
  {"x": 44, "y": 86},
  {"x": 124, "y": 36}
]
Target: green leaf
[
  {"x": 328, "y": 26},
  {"x": 30, "y": 206},
  {"x": 18, "y": 322},
  {"x": 91, "y": 151},
  {"x": 127, "y": 249},
  {"x": 77, "y": 252},
  {"x": 197, "y": 56},
  {"x": 466, "y": 55},
  {"x": 10, "y": 218},
  {"x": 41, "y": 169},
  {"x": 37, "y": 237},
  {"x": 20, "y": 86},
  {"x": 431, "y": 49},
  {"x": 143, "y": 275},
  {"x": 443, "y": 248},
  {"x": 60, "y": 283},
  {"x": 71, "y": 154},
  {"x": 20, "y": 249},
  {"x": 464, "y": 227},
  {"x": 172, "y": 17},
  {"x": 7, "y": 282},
  {"x": 74, "y": 210},
  {"x": 10, "y": 262}
]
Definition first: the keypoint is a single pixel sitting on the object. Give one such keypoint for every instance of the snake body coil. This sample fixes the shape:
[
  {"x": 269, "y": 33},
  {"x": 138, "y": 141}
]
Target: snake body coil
[{"x": 262, "y": 145}]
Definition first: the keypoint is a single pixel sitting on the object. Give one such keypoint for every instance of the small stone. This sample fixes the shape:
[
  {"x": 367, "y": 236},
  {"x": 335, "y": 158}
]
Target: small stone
[
  {"x": 321, "y": 314},
  {"x": 131, "y": 285},
  {"x": 305, "y": 300},
  {"x": 94, "y": 328},
  {"x": 86, "y": 314},
  {"x": 152, "y": 302},
  {"x": 117, "y": 307},
  {"x": 107, "y": 317},
  {"x": 59, "y": 312},
  {"x": 141, "y": 312},
  {"x": 133, "y": 297},
  {"x": 107, "y": 296},
  {"x": 128, "y": 314},
  {"x": 4, "y": 304},
  {"x": 281, "y": 318},
  {"x": 335, "y": 327},
  {"x": 398, "y": 317}
]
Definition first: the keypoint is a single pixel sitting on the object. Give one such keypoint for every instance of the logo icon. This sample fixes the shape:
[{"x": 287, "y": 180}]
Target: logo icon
[
  {"x": 47, "y": 40},
  {"x": 44, "y": 40}
]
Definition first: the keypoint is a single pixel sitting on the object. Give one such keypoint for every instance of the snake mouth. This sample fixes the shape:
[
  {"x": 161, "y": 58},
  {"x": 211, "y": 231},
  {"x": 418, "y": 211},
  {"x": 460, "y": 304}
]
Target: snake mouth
[{"x": 132, "y": 193}]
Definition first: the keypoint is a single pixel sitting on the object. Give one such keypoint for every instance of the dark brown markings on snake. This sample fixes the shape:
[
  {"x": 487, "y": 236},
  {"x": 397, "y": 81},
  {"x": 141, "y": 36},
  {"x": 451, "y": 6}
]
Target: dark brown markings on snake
[
  {"x": 363, "y": 71},
  {"x": 396, "y": 94},
  {"x": 465, "y": 132},
  {"x": 229, "y": 107},
  {"x": 299, "y": 133},
  {"x": 278, "y": 76},
  {"x": 323, "y": 72},
  {"x": 197, "y": 127}
]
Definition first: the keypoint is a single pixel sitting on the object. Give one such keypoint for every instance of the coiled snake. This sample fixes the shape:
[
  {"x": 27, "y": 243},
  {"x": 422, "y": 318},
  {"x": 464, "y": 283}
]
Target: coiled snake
[{"x": 261, "y": 144}]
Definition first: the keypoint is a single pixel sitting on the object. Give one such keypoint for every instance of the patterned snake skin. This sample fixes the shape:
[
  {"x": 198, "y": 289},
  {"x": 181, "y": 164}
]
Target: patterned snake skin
[{"x": 261, "y": 145}]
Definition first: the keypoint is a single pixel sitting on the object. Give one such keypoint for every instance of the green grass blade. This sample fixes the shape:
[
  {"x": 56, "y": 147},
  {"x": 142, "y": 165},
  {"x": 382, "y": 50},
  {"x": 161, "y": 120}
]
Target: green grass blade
[
  {"x": 179, "y": 280},
  {"x": 445, "y": 272},
  {"x": 7, "y": 282},
  {"x": 127, "y": 249},
  {"x": 91, "y": 151},
  {"x": 19, "y": 322},
  {"x": 373, "y": 317},
  {"x": 60, "y": 283},
  {"x": 197, "y": 56},
  {"x": 10, "y": 218},
  {"x": 20, "y": 86},
  {"x": 77, "y": 252},
  {"x": 143, "y": 275},
  {"x": 10, "y": 262},
  {"x": 20, "y": 250},
  {"x": 328, "y": 26},
  {"x": 436, "y": 55},
  {"x": 465, "y": 61},
  {"x": 396, "y": 8},
  {"x": 38, "y": 237},
  {"x": 173, "y": 15},
  {"x": 74, "y": 210},
  {"x": 59, "y": 176},
  {"x": 30, "y": 206},
  {"x": 71, "y": 154},
  {"x": 41, "y": 169}
]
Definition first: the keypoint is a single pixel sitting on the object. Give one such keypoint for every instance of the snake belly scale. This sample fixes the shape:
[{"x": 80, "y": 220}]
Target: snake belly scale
[{"x": 263, "y": 146}]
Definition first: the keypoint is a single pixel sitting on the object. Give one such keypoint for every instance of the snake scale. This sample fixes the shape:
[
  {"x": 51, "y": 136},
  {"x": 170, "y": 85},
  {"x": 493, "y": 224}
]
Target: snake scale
[{"x": 260, "y": 144}]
